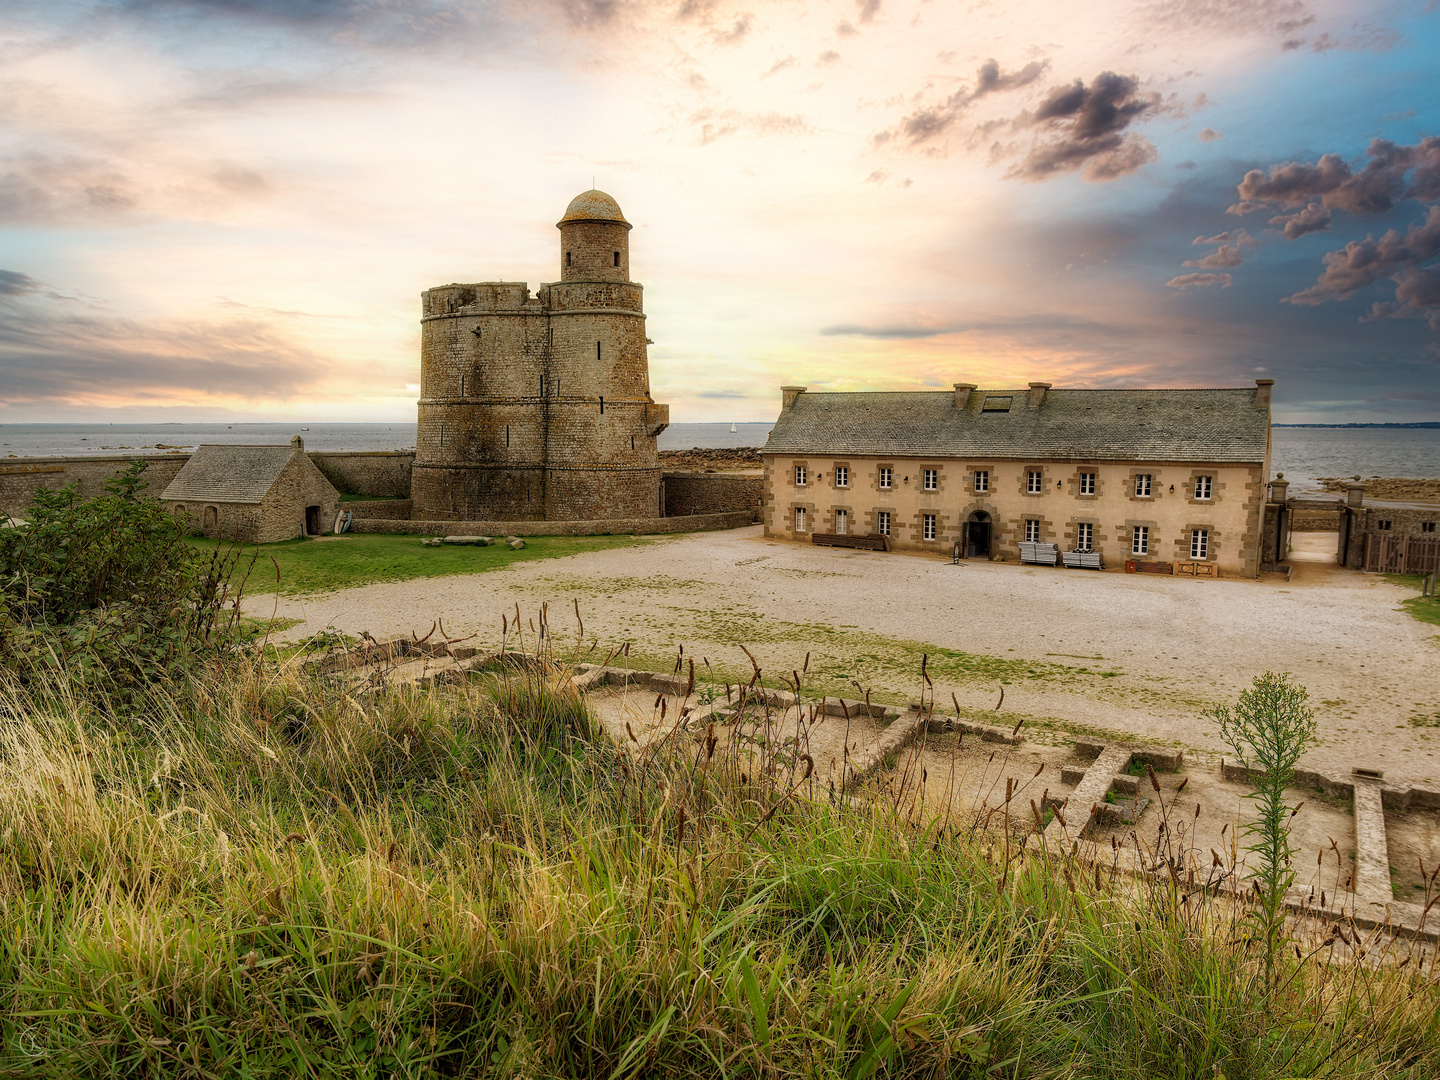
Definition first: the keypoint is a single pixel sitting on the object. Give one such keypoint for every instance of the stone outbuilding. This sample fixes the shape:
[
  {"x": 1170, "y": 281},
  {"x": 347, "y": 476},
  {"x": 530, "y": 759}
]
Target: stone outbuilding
[{"x": 253, "y": 494}]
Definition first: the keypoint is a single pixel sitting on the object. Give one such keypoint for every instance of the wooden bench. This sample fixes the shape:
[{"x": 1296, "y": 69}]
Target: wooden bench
[{"x": 870, "y": 542}]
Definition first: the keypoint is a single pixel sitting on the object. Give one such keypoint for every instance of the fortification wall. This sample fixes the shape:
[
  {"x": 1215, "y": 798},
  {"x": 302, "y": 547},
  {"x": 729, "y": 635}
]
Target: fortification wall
[
  {"x": 605, "y": 527},
  {"x": 367, "y": 472},
  {"x": 712, "y": 493},
  {"x": 20, "y": 478},
  {"x": 380, "y": 509}
]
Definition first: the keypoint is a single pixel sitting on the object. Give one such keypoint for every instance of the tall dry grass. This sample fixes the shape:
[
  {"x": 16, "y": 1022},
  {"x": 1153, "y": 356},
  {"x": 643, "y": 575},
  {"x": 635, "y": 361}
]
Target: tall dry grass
[{"x": 267, "y": 873}]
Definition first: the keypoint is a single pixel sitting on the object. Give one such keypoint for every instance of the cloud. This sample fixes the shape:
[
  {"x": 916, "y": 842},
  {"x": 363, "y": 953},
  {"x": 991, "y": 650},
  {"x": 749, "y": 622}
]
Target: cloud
[
  {"x": 890, "y": 332},
  {"x": 1314, "y": 218},
  {"x": 1087, "y": 130},
  {"x": 1222, "y": 258},
  {"x": 736, "y": 33},
  {"x": 1332, "y": 184},
  {"x": 1210, "y": 135},
  {"x": 826, "y": 58},
  {"x": 1364, "y": 262},
  {"x": 1190, "y": 281},
  {"x": 14, "y": 283},
  {"x": 1239, "y": 236},
  {"x": 781, "y": 65},
  {"x": 929, "y": 123},
  {"x": 868, "y": 8},
  {"x": 715, "y": 125},
  {"x": 845, "y": 29}
]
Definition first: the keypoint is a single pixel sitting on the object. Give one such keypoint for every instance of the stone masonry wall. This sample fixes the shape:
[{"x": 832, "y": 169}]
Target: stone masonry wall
[
  {"x": 380, "y": 509},
  {"x": 712, "y": 493},
  {"x": 20, "y": 478},
  {"x": 605, "y": 527},
  {"x": 367, "y": 472}
]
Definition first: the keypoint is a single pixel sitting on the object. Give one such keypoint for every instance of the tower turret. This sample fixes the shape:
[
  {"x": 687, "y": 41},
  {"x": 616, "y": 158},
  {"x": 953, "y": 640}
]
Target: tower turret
[{"x": 594, "y": 239}]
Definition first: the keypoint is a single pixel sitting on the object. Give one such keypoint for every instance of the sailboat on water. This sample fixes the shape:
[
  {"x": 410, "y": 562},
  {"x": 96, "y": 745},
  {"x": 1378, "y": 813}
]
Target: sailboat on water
[{"x": 732, "y": 428}]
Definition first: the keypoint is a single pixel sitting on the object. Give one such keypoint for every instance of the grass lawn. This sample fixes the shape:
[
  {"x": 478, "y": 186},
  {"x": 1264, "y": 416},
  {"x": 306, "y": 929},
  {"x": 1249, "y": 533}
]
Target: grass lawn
[
  {"x": 1424, "y": 608},
  {"x": 309, "y": 566}
]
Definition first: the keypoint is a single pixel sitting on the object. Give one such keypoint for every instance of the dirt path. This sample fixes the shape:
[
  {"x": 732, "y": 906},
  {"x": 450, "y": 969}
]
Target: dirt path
[{"x": 1122, "y": 654}]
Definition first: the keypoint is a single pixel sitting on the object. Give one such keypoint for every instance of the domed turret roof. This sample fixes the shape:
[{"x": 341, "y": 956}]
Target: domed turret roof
[{"x": 593, "y": 205}]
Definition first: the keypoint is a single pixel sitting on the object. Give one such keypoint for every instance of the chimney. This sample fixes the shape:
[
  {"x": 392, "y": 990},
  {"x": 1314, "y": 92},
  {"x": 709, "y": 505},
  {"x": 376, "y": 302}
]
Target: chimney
[
  {"x": 297, "y": 445},
  {"x": 962, "y": 394},
  {"x": 1262, "y": 393},
  {"x": 1037, "y": 393},
  {"x": 790, "y": 394}
]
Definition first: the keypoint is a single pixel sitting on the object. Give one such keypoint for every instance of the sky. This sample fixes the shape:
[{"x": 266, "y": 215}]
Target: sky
[{"x": 228, "y": 209}]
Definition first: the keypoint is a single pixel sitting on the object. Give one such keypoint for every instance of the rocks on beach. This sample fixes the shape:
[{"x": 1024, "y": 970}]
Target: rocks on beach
[{"x": 1385, "y": 487}]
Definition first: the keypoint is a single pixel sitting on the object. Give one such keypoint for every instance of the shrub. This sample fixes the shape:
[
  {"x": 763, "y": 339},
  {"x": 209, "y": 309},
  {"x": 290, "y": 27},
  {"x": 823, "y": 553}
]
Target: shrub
[{"x": 105, "y": 592}]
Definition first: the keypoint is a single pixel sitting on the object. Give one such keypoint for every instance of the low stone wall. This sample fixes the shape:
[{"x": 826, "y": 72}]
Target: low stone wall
[
  {"x": 616, "y": 527},
  {"x": 379, "y": 509},
  {"x": 20, "y": 478},
  {"x": 367, "y": 472},
  {"x": 1316, "y": 521},
  {"x": 689, "y": 493}
]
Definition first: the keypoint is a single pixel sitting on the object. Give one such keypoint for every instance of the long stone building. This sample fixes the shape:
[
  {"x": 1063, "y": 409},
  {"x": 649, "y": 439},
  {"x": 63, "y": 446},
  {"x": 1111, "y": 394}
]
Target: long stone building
[
  {"x": 538, "y": 408},
  {"x": 1150, "y": 475}
]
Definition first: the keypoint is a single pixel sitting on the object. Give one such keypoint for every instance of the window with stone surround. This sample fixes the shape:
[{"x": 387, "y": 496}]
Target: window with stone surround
[
  {"x": 882, "y": 522},
  {"x": 931, "y": 480},
  {"x": 1034, "y": 481},
  {"x": 928, "y": 525},
  {"x": 1142, "y": 485},
  {"x": 1032, "y": 530},
  {"x": 842, "y": 476},
  {"x": 1202, "y": 486},
  {"x": 887, "y": 476},
  {"x": 982, "y": 481},
  {"x": 1087, "y": 483},
  {"x": 1084, "y": 535},
  {"x": 1427, "y": 526},
  {"x": 842, "y": 522},
  {"x": 1140, "y": 540},
  {"x": 799, "y": 475},
  {"x": 1383, "y": 525},
  {"x": 799, "y": 519},
  {"x": 1199, "y": 543}
]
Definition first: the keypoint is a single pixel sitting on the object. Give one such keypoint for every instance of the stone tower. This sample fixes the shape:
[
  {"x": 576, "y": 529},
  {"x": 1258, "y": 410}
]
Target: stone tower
[{"x": 538, "y": 407}]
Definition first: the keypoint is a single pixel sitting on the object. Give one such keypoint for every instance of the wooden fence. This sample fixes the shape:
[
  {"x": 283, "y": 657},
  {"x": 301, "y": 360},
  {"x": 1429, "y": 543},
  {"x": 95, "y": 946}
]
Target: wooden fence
[{"x": 1386, "y": 553}]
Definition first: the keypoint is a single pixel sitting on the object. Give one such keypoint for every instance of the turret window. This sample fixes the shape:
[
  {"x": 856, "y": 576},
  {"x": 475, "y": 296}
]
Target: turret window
[
  {"x": 569, "y": 259},
  {"x": 617, "y": 258}
]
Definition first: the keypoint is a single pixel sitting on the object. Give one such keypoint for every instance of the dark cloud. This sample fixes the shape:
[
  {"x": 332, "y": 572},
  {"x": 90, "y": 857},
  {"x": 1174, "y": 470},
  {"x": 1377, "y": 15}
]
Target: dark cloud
[
  {"x": 929, "y": 123},
  {"x": 1314, "y": 218},
  {"x": 1333, "y": 185},
  {"x": 1362, "y": 263},
  {"x": 14, "y": 283},
  {"x": 1190, "y": 281},
  {"x": 890, "y": 332},
  {"x": 1086, "y": 128}
]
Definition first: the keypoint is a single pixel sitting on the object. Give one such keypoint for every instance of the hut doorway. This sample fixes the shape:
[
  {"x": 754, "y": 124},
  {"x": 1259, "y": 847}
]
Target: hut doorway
[
  {"x": 209, "y": 519},
  {"x": 312, "y": 521},
  {"x": 977, "y": 535}
]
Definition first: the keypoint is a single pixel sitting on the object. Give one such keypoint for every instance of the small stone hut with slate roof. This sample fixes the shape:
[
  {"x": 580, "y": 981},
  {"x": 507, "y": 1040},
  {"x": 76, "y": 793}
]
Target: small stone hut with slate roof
[
  {"x": 1156, "y": 476},
  {"x": 253, "y": 494}
]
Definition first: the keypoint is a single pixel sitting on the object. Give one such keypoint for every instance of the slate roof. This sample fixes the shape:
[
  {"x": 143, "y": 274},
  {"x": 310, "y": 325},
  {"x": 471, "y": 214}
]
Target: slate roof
[
  {"x": 228, "y": 474},
  {"x": 1089, "y": 425}
]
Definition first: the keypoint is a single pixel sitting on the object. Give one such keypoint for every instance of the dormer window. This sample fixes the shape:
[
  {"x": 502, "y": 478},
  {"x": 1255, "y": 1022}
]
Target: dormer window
[{"x": 996, "y": 404}]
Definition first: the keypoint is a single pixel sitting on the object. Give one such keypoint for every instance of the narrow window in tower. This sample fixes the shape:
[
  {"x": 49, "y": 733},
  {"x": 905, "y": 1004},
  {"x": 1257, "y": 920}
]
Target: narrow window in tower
[
  {"x": 632, "y": 442},
  {"x": 569, "y": 259},
  {"x": 542, "y": 385},
  {"x": 462, "y": 384},
  {"x": 442, "y": 434},
  {"x": 507, "y": 436},
  {"x": 602, "y": 404},
  {"x": 617, "y": 258},
  {"x": 597, "y": 352}
]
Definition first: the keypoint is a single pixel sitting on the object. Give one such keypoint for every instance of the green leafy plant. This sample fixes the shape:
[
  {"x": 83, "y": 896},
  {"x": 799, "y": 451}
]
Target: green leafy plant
[{"x": 1269, "y": 727}]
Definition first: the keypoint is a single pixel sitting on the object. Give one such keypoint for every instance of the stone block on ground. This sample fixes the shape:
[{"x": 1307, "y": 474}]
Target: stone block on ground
[
  {"x": 516, "y": 544},
  {"x": 474, "y": 541},
  {"x": 1122, "y": 811}
]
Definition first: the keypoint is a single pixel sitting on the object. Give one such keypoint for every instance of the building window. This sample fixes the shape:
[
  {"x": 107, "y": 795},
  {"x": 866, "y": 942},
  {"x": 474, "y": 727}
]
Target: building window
[
  {"x": 1140, "y": 540},
  {"x": 1087, "y": 483},
  {"x": 1202, "y": 487},
  {"x": 799, "y": 519},
  {"x": 1033, "y": 481},
  {"x": 569, "y": 259},
  {"x": 982, "y": 481},
  {"x": 842, "y": 476},
  {"x": 1032, "y": 531},
  {"x": 1427, "y": 526},
  {"x": 1142, "y": 485},
  {"x": 1084, "y": 536},
  {"x": 617, "y": 258},
  {"x": 842, "y": 520},
  {"x": 1383, "y": 526},
  {"x": 882, "y": 522},
  {"x": 1200, "y": 543},
  {"x": 929, "y": 526},
  {"x": 932, "y": 480},
  {"x": 799, "y": 475},
  {"x": 887, "y": 476}
]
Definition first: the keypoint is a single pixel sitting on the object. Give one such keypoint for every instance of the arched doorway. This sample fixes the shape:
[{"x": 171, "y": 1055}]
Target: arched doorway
[
  {"x": 312, "y": 521},
  {"x": 211, "y": 515},
  {"x": 978, "y": 535}
]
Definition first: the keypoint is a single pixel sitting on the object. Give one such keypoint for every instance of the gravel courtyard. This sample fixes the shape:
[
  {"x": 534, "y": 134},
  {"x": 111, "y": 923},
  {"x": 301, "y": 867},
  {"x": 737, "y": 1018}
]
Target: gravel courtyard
[{"x": 1074, "y": 650}]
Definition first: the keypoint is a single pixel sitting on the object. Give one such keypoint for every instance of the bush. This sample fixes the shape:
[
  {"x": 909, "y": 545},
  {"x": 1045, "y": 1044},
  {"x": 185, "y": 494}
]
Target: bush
[{"x": 105, "y": 592}]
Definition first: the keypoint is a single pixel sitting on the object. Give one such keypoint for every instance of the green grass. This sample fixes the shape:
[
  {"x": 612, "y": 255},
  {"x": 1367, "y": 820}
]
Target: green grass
[
  {"x": 307, "y": 567},
  {"x": 1424, "y": 608},
  {"x": 263, "y": 875}
]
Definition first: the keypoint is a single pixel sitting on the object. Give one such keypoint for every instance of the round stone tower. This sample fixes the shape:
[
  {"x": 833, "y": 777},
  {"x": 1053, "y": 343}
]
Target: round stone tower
[{"x": 538, "y": 407}]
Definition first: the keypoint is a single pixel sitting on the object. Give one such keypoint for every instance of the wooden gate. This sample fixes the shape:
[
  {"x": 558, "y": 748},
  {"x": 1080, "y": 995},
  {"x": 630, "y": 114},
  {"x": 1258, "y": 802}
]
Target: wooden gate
[{"x": 1386, "y": 553}]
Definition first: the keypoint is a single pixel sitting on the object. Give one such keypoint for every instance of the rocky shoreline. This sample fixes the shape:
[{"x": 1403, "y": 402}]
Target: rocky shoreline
[
  {"x": 1385, "y": 487},
  {"x": 712, "y": 460}
]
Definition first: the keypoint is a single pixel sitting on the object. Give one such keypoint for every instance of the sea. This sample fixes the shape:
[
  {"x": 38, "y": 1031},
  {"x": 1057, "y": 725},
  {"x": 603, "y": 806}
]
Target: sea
[{"x": 1303, "y": 454}]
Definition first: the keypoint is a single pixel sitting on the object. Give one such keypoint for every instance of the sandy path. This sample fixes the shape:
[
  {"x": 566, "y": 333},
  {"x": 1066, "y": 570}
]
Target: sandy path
[{"x": 1178, "y": 643}]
